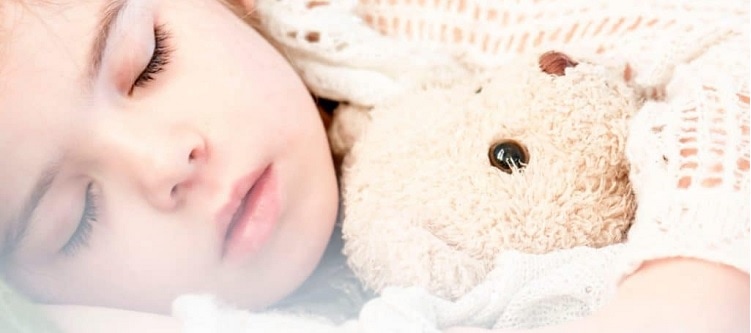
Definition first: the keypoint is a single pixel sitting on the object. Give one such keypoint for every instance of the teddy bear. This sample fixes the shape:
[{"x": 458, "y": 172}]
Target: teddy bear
[{"x": 527, "y": 157}]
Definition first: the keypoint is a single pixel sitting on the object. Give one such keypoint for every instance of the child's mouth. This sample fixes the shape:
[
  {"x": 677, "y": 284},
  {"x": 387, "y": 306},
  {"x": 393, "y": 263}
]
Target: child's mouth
[
  {"x": 255, "y": 218},
  {"x": 238, "y": 214}
]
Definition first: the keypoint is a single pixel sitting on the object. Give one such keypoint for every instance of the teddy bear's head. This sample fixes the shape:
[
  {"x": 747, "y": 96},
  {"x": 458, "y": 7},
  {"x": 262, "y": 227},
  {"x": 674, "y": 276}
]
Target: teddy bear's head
[{"x": 529, "y": 158}]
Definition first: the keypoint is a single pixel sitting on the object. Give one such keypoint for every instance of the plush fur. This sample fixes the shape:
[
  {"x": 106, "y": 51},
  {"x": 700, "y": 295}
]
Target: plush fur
[{"x": 423, "y": 204}]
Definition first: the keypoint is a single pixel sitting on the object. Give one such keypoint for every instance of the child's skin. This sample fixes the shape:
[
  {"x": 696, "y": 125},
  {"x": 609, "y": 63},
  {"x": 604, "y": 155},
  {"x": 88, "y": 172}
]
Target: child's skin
[{"x": 162, "y": 159}]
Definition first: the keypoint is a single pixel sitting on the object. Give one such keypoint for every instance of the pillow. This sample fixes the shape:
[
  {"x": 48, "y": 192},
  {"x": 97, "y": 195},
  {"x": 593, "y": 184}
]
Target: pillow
[{"x": 17, "y": 314}]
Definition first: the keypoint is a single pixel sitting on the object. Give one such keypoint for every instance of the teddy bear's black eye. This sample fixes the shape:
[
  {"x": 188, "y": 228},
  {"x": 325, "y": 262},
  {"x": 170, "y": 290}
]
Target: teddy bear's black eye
[{"x": 507, "y": 155}]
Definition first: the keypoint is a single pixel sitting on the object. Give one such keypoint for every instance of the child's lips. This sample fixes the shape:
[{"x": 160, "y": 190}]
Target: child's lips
[{"x": 250, "y": 217}]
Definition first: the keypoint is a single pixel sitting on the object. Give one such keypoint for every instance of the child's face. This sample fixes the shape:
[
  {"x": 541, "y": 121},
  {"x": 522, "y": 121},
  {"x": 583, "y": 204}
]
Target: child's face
[{"x": 132, "y": 171}]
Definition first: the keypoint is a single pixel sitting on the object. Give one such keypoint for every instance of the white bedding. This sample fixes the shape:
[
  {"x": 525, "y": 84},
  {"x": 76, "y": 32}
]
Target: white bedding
[{"x": 523, "y": 291}]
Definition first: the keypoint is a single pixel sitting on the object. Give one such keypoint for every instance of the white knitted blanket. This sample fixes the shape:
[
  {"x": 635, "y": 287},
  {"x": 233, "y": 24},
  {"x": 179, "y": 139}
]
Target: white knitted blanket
[
  {"x": 368, "y": 50},
  {"x": 689, "y": 145}
]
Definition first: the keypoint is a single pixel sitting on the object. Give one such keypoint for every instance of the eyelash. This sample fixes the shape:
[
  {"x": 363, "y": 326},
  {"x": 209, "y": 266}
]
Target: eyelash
[
  {"x": 159, "y": 59},
  {"x": 80, "y": 237}
]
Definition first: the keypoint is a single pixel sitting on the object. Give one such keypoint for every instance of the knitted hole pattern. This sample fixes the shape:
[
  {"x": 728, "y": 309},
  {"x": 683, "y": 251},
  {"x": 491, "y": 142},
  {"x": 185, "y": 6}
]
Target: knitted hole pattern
[{"x": 713, "y": 141}]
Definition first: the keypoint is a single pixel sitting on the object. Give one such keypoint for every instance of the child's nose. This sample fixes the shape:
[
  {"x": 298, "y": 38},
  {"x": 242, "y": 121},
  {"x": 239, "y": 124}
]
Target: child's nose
[
  {"x": 172, "y": 171},
  {"x": 164, "y": 163}
]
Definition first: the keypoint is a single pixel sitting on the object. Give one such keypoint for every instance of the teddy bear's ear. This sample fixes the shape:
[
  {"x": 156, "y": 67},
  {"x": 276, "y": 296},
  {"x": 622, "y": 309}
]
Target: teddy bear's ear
[{"x": 555, "y": 63}]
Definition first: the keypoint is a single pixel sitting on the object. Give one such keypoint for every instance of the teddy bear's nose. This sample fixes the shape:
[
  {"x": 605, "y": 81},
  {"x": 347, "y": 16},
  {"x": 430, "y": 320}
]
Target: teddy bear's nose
[{"x": 508, "y": 155}]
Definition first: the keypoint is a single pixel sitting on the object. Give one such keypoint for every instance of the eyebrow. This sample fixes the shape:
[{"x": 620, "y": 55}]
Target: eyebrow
[
  {"x": 17, "y": 231},
  {"x": 107, "y": 21}
]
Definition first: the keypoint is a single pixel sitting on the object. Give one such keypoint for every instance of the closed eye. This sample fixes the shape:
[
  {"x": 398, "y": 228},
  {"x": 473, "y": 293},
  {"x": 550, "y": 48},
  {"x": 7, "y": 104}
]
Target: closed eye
[
  {"x": 89, "y": 215},
  {"x": 160, "y": 57}
]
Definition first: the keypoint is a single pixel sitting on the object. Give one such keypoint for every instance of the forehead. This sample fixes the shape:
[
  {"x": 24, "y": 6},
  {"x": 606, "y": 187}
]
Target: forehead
[
  {"x": 44, "y": 54},
  {"x": 60, "y": 29}
]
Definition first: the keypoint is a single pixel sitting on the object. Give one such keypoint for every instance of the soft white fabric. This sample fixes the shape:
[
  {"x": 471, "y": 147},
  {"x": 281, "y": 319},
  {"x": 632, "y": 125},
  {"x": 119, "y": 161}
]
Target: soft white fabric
[
  {"x": 524, "y": 291},
  {"x": 699, "y": 133},
  {"x": 352, "y": 62},
  {"x": 340, "y": 57},
  {"x": 206, "y": 314}
]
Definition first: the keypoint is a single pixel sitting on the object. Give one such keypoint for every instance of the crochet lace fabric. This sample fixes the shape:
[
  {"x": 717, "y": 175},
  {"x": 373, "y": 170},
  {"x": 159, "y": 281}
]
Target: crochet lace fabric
[
  {"x": 500, "y": 29},
  {"x": 690, "y": 163}
]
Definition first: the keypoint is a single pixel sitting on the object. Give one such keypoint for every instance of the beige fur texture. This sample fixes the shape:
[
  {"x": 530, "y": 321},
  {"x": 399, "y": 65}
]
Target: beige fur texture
[{"x": 424, "y": 206}]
